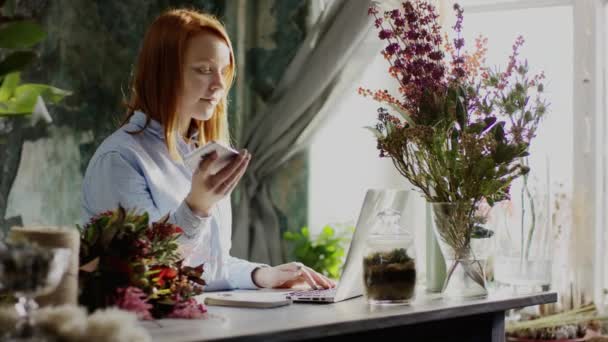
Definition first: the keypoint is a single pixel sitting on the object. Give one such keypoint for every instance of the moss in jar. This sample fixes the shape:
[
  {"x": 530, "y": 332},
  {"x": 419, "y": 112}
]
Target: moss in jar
[{"x": 389, "y": 276}]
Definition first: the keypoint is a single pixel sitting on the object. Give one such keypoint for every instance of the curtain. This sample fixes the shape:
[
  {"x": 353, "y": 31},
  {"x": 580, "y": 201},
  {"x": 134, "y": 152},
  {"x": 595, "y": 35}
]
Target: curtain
[{"x": 310, "y": 85}]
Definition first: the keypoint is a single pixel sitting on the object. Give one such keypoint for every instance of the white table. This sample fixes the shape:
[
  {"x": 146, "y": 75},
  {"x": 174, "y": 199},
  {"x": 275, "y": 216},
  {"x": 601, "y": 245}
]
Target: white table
[{"x": 429, "y": 318}]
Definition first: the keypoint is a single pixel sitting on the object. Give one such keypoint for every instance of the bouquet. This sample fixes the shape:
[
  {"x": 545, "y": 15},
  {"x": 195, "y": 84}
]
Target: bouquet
[
  {"x": 129, "y": 263},
  {"x": 457, "y": 130}
]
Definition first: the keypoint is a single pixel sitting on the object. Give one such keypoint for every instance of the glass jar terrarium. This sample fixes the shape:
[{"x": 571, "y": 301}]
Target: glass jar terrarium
[{"x": 389, "y": 267}]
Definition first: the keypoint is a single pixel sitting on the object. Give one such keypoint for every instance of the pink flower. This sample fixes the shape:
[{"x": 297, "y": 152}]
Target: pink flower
[
  {"x": 134, "y": 299},
  {"x": 188, "y": 309}
]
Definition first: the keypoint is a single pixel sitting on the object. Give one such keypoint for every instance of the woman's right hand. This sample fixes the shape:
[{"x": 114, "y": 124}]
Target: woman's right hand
[{"x": 207, "y": 189}]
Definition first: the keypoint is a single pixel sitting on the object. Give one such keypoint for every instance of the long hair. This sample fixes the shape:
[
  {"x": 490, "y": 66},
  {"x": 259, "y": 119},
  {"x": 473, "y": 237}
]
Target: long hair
[{"x": 158, "y": 80}]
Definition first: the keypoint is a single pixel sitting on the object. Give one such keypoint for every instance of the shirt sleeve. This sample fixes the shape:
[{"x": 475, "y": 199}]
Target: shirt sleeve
[
  {"x": 113, "y": 180},
  {"x": 240, "y": 270}
]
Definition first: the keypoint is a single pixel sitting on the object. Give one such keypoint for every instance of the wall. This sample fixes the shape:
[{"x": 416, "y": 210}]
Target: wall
[{"x": 90, "y": 50}]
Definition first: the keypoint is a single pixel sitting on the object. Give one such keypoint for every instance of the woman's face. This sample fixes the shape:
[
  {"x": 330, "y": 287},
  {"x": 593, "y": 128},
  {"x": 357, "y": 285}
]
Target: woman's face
[{"x": 207, "y": 60}]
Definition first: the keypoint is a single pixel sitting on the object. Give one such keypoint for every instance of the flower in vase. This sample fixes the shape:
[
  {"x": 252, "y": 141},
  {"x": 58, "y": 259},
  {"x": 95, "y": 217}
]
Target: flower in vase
[{"x": 457, "y": 130}]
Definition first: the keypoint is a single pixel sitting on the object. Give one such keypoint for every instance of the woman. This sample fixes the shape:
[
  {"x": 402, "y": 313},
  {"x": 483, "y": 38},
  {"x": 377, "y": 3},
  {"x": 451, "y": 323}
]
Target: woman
[{"x": 183, "y": 74}]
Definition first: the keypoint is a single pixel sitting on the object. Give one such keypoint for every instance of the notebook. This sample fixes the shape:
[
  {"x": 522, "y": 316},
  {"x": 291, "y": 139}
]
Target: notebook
[
  {"x": 247, "y": 299},
  {"x": 350, "y": 284}
]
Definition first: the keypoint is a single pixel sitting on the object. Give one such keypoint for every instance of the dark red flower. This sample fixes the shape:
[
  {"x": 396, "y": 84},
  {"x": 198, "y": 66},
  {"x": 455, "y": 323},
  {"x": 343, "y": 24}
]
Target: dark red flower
[
  {"x": 392, "y": 48},
  {"x": 385, "y": 34}
]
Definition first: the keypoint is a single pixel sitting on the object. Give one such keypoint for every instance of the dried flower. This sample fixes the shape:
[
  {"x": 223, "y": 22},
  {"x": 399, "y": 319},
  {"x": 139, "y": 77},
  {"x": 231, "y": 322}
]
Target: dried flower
[{"x": 462, "y": 129}]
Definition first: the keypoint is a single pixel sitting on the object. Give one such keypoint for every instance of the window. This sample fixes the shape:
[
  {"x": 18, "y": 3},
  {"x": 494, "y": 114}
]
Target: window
[
  {"x": 344, "y": 160},
  {"x": 548, "y": 47}
]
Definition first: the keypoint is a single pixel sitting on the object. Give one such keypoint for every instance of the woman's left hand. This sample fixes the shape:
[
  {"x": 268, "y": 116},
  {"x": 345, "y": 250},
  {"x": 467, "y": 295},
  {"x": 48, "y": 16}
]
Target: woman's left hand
[{"x": 289, "y": 275}]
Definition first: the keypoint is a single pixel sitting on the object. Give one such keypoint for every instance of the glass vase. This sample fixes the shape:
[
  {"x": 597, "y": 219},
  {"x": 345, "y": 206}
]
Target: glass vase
[
  {"x": 464, "y": 244},
  {"x": 524, "y": 226}
]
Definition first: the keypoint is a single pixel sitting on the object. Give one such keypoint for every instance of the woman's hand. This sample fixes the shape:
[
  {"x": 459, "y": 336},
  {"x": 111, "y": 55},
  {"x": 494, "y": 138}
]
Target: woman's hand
[
  {"x": 207, "y": 189},
  {"x": 289, "y": 275}
]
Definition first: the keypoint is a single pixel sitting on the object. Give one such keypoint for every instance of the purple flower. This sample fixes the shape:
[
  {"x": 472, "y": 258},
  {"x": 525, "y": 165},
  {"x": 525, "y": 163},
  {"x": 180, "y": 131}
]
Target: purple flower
[
  {"x": 458, "y": 72},
  {"x": 392, "y": 48},
  {"x": 378, "y": 22},
  {"x": 399, "y": 22},
  {"x": 438, "y": 73},
  {"x": 398, "y": 63},
  {"x": 385, "y": 34},
  {"x": 395, "y": 14},
  {"x": 436, "y": 55},
  {"x": 458, "y": 43},
  {"x": 409, "y": 51},
  {"x": 408, "y": 7},
  {"x": 412, "y": 35},
  {"x": 459, "y": 18},
  {"x": 411, "y": 18}
]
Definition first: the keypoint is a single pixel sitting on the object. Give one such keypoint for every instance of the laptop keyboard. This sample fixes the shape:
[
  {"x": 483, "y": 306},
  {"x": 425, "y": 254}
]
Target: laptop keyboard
[{"x": 322, "y": 293}]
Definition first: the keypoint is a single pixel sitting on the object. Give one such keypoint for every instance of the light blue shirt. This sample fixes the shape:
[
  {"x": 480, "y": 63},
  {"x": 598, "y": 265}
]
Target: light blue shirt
[{"x": 136, "y": 171}]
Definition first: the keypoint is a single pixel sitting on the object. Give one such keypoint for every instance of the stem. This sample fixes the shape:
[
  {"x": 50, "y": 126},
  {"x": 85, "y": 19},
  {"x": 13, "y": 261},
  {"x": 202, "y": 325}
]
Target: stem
[
  {"x": 532, "y": 212},
  {"x": 523, "y": 215},
  {"x": 449, "y": 275}
]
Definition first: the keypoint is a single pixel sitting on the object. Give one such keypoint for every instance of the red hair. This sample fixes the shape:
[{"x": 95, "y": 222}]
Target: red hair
[{"x": 158, "y": 81}]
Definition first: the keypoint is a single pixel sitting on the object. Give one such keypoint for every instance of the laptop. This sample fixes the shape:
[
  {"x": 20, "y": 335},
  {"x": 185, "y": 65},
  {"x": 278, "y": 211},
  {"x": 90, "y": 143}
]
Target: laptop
[{"x": 350, "y": 284}]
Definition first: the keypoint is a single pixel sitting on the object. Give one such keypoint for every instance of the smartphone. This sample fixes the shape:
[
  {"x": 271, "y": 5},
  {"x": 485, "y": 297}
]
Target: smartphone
[{"x": 225, "y": 155}]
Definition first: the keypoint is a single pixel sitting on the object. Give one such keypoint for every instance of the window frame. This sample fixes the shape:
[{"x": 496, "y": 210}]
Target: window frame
[{"x": 589, "y": 130}]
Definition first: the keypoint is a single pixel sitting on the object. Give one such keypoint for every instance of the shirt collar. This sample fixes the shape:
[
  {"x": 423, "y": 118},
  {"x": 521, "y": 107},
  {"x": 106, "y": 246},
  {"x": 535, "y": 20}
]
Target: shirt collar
[{"x": 139, "y": 119}]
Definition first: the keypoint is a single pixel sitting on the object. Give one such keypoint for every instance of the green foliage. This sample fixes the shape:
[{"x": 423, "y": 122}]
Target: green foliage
[
  {"x": 325, "y": 253},
  {"x": 20, "y": 34},
  {"x": 17, "y": 36}
]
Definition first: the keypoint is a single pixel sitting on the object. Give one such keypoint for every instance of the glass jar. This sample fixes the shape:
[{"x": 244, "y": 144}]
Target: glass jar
[{"x": 389, "y": 265}]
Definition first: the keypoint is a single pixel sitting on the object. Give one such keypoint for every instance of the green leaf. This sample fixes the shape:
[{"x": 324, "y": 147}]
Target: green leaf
[
  {"x": 20, "y": 34},
  {"x": 499, "y": 132},
  {"x": 16, "y": 61},
  {"x": 22, "y": 103},
  {"x": 327, "y": 231},
  {"x": 404, "y": 114},
  {"x": 48, "y": 93},
  {"x": 23, "y": 100},
  {"x": 376, "y": 132},
  {"x": 91, "y": 235},
  {"x": 9, "y": 84},
  {"x": 107, "y": 235}
]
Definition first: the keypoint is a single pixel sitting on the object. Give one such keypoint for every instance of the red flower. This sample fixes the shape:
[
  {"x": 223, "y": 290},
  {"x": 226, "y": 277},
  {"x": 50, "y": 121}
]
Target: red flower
[
  {"x": 166, "y": 273},
  {"x": 163, "y": 231}
]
